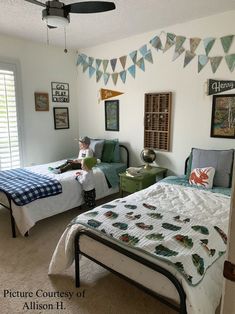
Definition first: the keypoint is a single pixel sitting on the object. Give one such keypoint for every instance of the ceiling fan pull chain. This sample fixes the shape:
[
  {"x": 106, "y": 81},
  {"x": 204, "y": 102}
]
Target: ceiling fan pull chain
[
  {"x": 48, "y": 36},
  {"x": 65, "y": 43}
]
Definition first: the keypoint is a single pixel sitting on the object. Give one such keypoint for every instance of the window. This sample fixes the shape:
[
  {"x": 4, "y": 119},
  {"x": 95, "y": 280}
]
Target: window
[{"x": 9, "y": 135}]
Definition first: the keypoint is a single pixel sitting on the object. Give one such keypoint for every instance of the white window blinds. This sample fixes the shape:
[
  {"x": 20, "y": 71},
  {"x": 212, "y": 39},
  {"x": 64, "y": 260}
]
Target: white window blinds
[{"x": 9, "y": 141}]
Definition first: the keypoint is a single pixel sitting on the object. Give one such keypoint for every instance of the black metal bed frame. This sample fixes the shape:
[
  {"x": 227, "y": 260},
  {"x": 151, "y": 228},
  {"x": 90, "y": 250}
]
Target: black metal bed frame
[
  {"x": 182, "y": 296},
  {"x": 13, "y": 226}
]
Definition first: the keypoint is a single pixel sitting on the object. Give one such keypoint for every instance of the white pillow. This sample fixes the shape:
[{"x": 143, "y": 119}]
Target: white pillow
[{"x": 202, "y": 177}]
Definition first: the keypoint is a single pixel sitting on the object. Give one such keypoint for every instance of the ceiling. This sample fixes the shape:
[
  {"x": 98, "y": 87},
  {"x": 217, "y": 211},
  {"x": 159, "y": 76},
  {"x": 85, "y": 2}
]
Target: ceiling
[{"x": 22, "y": 19}]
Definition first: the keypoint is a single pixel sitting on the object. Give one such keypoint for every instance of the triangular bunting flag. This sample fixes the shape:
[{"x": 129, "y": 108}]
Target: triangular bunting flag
[
  {"x": 230, "y": 60},
  {"x": 115, "y": 77},
  {"x": 131, "y": 70},
  {"x": 148, "y": 56},
  {"x": 81, "y": 59},
  {"x": 202, "y": 61},
  {"x": 98, "y": 63},
  {"x": 123, "y": 61},
  {"x": 179, "y": 40},
  {"x": 215, "y": 62},
  {"x": 194, "y": 42},
  {"x": 84, "y": 67},
  {"x": 189, "y": 55},
  {"x": 208, "y": 44},
  {"x": 123, "y": 76},
  {"x": 90, "y": 60},
  {"x": 91, "y": 71},
  {"x": 133, "y": 56},
  {"x": 98, "y": 75},
  {"x": 140, "y": 64},
  {"x": 226, "y": 42},
  {"x": 108, "y": 93},
  {"x": 105, "y": 64},
  {"x": 113, "y": 63},
  {"x": 178, "y": 53},
  {"x": 106, "y": 78},
  {"x": 143, "y": 50},
  {"x": 216, "y": 86},
  {"x": 170, "y": 41},
  {"x": 156, "y": 43}
]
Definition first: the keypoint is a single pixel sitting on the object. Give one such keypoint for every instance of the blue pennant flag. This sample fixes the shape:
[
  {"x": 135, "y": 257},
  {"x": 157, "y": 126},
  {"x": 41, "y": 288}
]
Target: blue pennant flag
[
  {"x": 85, "y": 67},
  {"x": 113, "y": 63},
  {"x": 81, "y": 59},
  {"x": 106, "y": 77},
  {"x": 91, "y": 71},
  {"x": 98, "y": 75},
  {"x": 140, "y": 64},
  {"x": 90, "y": 60},
  {"x": 133, "y": 56},
  {"x": 131, "y": 70},
  {"x": 98, "y": 63},
  {"x": 143, "y": 50},
  {"x": 156, "y": 43},
  {"x": 202, "y": 61},
  {"x": 148, "y": 56},
  {"x": 123, "y": 76}
]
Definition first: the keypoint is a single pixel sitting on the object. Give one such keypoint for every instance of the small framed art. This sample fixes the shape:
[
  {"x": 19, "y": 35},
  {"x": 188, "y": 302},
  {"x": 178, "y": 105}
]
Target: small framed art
[
  {"x": 223, "y": 116},
  {"x": 111, "y": 115},
  {"x": 41, "y": 101},
  {"x": 61, "y": 118}
]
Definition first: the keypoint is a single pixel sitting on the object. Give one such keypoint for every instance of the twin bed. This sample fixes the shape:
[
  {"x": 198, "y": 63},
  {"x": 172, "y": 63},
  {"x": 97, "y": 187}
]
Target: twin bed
[{"x": 169, "y": 239}]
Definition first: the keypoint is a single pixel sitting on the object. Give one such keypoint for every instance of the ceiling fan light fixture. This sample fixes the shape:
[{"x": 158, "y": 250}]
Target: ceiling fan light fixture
[{"x": 56, "y": 21}]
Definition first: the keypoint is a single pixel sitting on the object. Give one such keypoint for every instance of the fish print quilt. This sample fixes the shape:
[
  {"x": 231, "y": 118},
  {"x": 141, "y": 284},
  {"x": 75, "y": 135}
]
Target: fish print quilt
[{"x": 187, "y": 244}]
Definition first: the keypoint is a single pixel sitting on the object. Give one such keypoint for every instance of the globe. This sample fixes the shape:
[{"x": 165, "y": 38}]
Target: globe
[{"x": 148, "y": 156}]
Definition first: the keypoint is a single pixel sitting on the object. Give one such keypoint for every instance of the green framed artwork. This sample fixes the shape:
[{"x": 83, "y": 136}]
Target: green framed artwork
[
  {"x": 111, "y": 115},
  {"x": 223, "y": 116}
]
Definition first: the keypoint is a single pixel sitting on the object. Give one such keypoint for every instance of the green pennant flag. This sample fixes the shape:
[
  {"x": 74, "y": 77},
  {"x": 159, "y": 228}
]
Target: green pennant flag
[
  {"x": 226, "y": 42},
  {"x": 208, "y": 44},
  {"x": 179, "y": 40},
  {"x": 215, "y": 62},
  {"x": 98, "y": 75},
  {"x": 105, "y": 64},
  {"x": 194, "y": 43},
  {"x": 106, "y": 77},
  {"x": 91, "y": 71},
  {"x": 189, "y": 55},
  {"x": 156, "y": 43},
  {"x": 98, "y": 63},
  {"x": 123, "y": 76},
  {"x": 230, "y": 60},
  {"x": 148, "y": 56},
  {"x": 90, "y": 60},
  {"x": 178, "y": 53},
  {"x": 141, "y": 64},
  {"x": 202, "y": 61},
  {"x": 123, "y": 61},
  {"x": 133, "y": 56},
  {"x": 115, "y": 78},
  {"x": 85, "y": 67},
  {"x": 170, "y": 41}
]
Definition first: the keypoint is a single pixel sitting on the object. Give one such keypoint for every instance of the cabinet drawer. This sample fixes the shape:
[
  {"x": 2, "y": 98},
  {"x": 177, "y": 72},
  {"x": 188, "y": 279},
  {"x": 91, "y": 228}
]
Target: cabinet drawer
[{"x": 130, "y": 185}]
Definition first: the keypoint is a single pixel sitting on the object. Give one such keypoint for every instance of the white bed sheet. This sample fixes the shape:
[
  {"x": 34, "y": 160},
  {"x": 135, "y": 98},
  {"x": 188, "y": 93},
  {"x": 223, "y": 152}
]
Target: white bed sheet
[
  {"x": 209, "y": 207},
  {"x": 26, "y": 216}
]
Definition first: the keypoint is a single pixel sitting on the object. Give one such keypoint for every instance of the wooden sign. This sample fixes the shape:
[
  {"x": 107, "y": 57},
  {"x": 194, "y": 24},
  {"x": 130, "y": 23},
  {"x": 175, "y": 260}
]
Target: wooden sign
[
  {"x": 60, "y": 92},
  {"x": 108, "y": 93},
  {"x": 216, "y": 86}
]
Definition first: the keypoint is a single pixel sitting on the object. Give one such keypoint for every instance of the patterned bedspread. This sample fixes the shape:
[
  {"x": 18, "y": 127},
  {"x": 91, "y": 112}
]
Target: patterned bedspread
[
  {"x": 24, "y": 186},
  {"x": 188, "y": 244}
]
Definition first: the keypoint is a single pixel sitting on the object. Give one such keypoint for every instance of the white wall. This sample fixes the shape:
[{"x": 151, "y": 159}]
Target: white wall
[
  {"x": 191, "y": 117},
  {"x": 39, "y": 66}
]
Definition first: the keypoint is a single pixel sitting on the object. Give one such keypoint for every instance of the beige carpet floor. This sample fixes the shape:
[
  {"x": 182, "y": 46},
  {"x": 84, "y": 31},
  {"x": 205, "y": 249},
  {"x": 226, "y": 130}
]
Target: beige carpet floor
[{"x": 25, "y": 286}]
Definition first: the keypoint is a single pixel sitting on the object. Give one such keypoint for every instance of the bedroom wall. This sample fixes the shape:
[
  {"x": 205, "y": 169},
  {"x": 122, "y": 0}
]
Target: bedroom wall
[
  {"x": 39, "y": 66},
  {"x": 191, "y": 117}
]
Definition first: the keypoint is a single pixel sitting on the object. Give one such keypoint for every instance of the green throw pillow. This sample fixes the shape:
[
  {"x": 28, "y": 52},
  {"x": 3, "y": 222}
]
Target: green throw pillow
[{"x": 108, "y": 151}]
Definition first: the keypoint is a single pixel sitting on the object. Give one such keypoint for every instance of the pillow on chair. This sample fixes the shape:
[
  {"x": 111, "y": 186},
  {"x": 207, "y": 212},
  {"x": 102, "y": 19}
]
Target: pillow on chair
[{"x": 202, "y": 177}]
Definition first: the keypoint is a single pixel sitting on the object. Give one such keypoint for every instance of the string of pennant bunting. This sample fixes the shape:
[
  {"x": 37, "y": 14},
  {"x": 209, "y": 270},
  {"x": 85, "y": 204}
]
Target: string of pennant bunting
[{"x": 136, "y": 59}]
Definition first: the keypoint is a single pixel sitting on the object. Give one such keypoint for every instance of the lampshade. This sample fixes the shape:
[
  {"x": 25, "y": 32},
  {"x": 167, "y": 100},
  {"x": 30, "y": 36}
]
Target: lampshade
[{"x": 56, "y": 21}]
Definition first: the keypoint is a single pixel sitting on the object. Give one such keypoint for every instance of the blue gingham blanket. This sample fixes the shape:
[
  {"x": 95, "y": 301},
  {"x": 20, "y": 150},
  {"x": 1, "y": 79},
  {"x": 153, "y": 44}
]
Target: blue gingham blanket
[{"x": 24, "y": 186}]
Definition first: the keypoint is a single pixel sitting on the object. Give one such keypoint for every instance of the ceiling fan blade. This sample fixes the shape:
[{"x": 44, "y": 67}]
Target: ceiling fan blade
[
  {"x": 51, "y": 27},
  {"x": 90, "y": 7},
  {"x": 36, "y": 2}
]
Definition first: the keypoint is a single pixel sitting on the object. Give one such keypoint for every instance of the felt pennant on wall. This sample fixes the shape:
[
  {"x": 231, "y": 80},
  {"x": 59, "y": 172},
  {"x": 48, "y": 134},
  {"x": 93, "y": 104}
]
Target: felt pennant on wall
[
  {"x": 219, "y": 86},
  {"x": 108, "y": 93}
]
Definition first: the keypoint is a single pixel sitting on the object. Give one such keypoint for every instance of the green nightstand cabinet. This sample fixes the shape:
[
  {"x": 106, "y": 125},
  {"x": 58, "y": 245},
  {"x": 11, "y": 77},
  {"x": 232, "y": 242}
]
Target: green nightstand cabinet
[{"x": 140, "y": 182}]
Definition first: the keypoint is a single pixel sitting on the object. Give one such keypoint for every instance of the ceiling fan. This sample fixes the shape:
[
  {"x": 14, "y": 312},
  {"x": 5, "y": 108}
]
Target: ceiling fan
[{"x": 56, "y": 13}]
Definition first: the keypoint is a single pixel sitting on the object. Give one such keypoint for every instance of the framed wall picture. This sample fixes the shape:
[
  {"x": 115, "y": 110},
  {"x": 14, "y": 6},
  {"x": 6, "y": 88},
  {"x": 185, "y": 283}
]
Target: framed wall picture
[
  {"x": 60, "y": 92},
  {"x": 223, "y": 116},
  {"x": 111, "y": 115},
  {"x": 61, "y": 118},
  {"x": 41, "y": 101}
]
